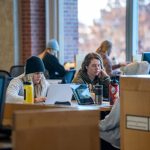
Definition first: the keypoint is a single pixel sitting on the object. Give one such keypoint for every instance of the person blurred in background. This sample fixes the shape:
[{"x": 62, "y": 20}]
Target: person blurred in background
[
  {"x": 93, "y": 73},
  {"x": 34, "y": 70},
  {"x": 110, "y": 128},
  {"x": 49, "y": 57},
  {"x": 104, "y": 50}
]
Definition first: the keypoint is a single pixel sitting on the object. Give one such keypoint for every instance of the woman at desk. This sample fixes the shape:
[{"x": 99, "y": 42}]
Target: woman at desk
[
  {"x": 33, "y": 71},
  {"x": 92, "y": 72}
]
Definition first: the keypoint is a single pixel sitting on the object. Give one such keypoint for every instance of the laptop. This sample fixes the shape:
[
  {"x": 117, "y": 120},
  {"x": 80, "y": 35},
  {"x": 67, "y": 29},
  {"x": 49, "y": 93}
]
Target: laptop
[
  {"x": 5, "y": 131},
  {"x": 82, "y": 94},
  {"x": 59, "y": 94}
]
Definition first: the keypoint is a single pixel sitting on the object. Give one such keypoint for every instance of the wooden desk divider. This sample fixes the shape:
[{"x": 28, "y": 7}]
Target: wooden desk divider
[
  {"x": 11, "y": 107},
  {"x": 56, "y": 129},
  {"x": 135, "y": 112}
]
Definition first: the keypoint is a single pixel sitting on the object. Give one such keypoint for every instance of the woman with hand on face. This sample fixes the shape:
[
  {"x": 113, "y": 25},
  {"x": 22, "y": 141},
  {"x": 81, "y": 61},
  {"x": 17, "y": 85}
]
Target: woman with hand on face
[
  {"x": 92, "y": 73},
  {"x": 34, "y": 69}
]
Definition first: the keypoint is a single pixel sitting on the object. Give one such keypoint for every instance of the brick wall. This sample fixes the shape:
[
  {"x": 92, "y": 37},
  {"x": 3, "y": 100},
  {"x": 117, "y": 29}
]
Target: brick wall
[
  {"x": 70, "y": 29},
  {"x": 32, "y": 27}
]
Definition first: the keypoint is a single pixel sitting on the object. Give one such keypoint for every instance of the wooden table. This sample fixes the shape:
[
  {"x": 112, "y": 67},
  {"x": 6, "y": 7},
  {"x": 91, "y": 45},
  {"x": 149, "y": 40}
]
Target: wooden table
[
  {"x": 11, "y": 107},
  {"x": 105, "y": 106}
]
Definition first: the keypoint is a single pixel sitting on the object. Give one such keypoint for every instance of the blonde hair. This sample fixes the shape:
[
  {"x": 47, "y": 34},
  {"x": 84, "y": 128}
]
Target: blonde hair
[
  {"x": 105, "y": 46},
  {"x": 39, "y": 89}
]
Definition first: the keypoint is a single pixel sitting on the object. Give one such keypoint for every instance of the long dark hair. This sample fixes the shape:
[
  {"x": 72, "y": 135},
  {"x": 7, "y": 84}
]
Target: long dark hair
[{"x": 88, "y": 58}]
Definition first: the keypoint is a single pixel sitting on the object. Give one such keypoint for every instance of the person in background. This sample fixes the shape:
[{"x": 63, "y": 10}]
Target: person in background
[
  {"x": 92, "y": 73},
  {"x": 34, "y": 69},
  {"x": 49, "y": 57},
  {"x": 104, "y": 50},
  {"x": 110, "y": 129}
]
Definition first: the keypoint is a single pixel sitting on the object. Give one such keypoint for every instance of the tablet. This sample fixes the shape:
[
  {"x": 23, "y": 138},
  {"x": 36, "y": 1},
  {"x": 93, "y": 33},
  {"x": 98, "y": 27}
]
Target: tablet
[{"x": 82, "y": 94}]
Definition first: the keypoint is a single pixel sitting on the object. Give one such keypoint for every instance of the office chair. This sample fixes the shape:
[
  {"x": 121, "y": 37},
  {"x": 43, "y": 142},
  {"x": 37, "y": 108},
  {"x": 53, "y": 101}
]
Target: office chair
[
  {"x": 69, "y": 76},
  {"x": 5, "y": 73},
  {"x": 16, "y": 70},
  {"x": 5, "y": 133},
  {"x": 7, "y": 76}
]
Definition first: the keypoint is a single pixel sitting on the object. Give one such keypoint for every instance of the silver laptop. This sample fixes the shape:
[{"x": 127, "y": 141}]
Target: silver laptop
[{"x": 59, "y": 93}]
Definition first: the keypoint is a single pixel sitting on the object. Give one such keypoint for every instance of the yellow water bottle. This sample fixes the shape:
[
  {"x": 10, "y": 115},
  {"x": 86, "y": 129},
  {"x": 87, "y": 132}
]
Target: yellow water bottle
[{"x": 28, "y": 92}]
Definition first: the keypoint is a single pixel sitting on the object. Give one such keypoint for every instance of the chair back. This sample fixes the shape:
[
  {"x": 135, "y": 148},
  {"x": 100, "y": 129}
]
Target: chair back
[
  {"x": 69, "y": 76},
  {"x": 7, "y": 76},
  {"x": 2, "y": 96},
  {"x": 16, "y": 70},
  {"x": 5, "y": 73}
]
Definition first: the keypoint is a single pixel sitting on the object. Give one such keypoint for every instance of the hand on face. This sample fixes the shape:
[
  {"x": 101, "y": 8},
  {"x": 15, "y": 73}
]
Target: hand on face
[{"x": 102, "y": 74}]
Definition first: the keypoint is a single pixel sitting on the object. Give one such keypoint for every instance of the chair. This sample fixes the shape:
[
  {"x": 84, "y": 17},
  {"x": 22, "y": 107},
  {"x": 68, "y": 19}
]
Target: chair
[
  {"x": 7, "y": 76},
  {"x": 69, "y": 76},
  {"x": 5, "y": 133},
  {"x": 16, "y": 70},
  {"x": 5, "y": 73}
]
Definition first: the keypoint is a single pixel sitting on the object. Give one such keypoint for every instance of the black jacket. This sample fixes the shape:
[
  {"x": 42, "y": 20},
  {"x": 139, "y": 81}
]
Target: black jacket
[{"x": 55, "y": 69}]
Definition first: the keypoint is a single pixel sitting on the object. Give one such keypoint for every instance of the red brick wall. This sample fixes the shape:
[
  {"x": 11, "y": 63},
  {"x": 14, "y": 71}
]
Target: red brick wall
[
  {"x": 37, "y": 26},
  {"x": 33, "y": 27},
  {"x": 25, "y": 29},
  {"x": 70, "y": 29}
]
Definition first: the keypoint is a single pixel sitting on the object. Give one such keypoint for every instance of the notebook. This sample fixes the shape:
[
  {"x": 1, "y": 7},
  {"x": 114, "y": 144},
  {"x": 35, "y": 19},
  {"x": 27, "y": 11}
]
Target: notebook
[
  {"x": 82, "y": 94},
  {"x": 5, "y": 131},
  {"x": 59, "y": 93}
]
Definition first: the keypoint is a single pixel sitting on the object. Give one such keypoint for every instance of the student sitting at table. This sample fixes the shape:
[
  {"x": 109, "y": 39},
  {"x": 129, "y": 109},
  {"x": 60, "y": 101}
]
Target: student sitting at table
[
  {"x": 92, "y": 72},
  {"x": 51, "y": 62},
  {"x": 104, "y": 50},
  {"x": 34, "y": 69}
]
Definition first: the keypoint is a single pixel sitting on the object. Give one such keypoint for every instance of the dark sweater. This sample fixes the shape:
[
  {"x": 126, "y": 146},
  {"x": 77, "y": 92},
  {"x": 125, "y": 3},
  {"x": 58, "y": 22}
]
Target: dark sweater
[
  {"x": 82, "y": 78},
  {"x": 55, "y": 69}
]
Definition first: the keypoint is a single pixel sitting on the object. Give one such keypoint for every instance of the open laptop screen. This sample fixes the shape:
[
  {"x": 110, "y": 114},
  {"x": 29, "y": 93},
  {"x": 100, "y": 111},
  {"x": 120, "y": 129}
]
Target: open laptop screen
[
  {"x": 59, "y": 93},
  {"x": 82, "y": 94}
]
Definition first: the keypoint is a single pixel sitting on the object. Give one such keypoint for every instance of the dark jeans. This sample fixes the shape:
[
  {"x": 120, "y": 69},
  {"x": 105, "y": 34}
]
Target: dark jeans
[{"x": 107, "y": 146}]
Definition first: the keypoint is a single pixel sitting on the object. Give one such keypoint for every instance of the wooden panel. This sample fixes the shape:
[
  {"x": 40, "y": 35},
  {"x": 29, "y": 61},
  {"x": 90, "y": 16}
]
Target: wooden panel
[
  {"x": 11, "y": 107},
  {"x": 135, "y": 101},
  {"x": 57, "y": 129}
]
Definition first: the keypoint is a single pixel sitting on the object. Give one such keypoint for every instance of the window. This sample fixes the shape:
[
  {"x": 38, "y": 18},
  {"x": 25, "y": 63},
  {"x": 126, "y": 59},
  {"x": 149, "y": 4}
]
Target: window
[
  {"x": 144, "y": 26},
  {"x": 102, "y": 20}
]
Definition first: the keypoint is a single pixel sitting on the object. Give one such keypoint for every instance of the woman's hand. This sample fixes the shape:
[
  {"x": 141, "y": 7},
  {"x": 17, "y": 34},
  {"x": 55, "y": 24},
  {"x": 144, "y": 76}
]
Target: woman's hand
[
  {"x": 39, "y": 99},
  {"x": 102, "y": 74}
]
